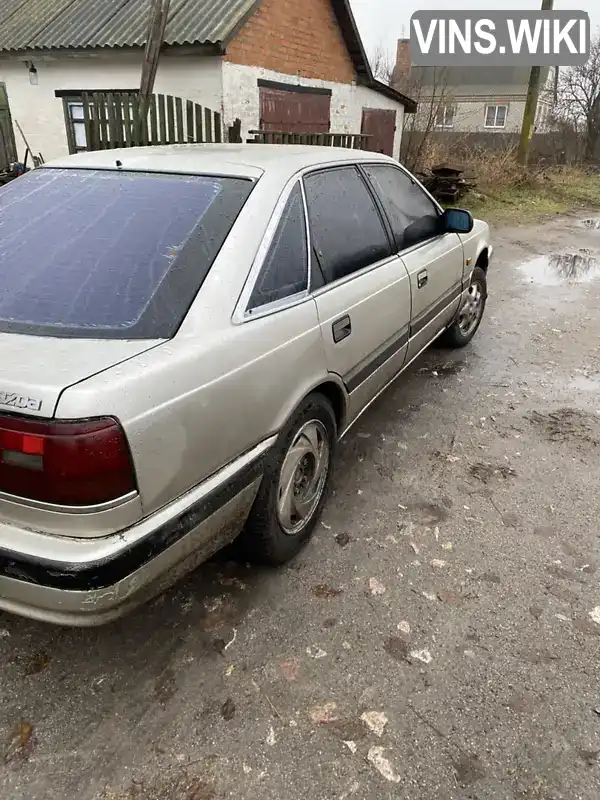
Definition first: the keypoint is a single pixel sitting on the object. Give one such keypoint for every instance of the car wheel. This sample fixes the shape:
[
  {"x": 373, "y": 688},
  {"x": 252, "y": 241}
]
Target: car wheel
[
  {"x": 294, "y": 487},
  {"x": 470, "y": 314}
]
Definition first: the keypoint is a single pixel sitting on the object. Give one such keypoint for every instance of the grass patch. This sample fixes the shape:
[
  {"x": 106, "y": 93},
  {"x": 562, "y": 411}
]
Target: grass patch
[
  {"x": 509, "y": 193},
  {"x": 557, "y": 191}
]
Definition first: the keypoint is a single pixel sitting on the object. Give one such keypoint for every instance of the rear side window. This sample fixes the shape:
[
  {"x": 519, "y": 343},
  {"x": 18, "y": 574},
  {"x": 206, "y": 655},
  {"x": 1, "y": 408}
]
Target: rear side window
[
  {"x": 285, "y": 269},
  {"x": 109, "y": 254},
  {"x": 413, "y": 217},
  {"x": 345, "y": 227}
]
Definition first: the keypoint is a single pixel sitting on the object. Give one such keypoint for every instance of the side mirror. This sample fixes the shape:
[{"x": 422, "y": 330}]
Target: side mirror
[{"x": 458, "y": 220}]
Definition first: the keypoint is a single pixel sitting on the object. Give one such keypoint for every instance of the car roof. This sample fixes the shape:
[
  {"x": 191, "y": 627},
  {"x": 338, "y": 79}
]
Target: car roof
[{"x": 243, "y": 160}]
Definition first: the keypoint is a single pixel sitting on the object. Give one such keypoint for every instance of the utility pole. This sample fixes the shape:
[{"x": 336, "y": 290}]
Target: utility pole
[
  {"x": 157, "y": 22},
  {"x": 533, "y": 92}
]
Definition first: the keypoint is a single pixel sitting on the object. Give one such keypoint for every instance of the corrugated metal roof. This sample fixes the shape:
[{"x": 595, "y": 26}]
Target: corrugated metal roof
[
  {"x": 8, "y": 7},
  {"x": 26, "y": 22},
  {"x": 197, "y": 21},
  {"x": 126, "y": 28},
  {"x": 77, "y": 24},
  {"x": 51, "y": 24}
]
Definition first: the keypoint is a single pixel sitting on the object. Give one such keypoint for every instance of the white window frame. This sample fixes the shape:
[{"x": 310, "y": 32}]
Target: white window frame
[
  {"x": 74, "y": 117},
  {"x": 497, "y": 106},
  {"x": 443, "y": 110},
  {"x": 77, "y": 124}
]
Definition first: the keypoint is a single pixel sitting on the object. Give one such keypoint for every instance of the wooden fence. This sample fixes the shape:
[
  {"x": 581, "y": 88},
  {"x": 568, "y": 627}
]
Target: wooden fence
[
  {"x": 8, "y": 150},
  {"x": 356, "y": 141},
  {"x": 114, "y": 119}
]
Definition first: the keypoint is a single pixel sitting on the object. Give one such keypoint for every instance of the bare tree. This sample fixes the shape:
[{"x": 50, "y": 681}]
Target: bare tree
[
  {"x": 382, "y": 65},
  {"x": 578, "y": 106},
  {"x": 434, "y": 97}
]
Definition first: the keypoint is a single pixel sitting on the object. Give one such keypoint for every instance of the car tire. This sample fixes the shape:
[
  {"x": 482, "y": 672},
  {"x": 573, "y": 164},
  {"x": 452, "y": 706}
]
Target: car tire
[
  {"x": 470, "y": 314},
  {"x": 302, "y": 458}
]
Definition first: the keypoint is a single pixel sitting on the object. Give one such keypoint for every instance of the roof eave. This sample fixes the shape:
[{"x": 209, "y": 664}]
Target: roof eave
[
  {"x": 347, "y": 22},
  {"x": 349, "y": 28},
  {"x": 239, "y": 25},
  {"x": 410, "y": 105},
  {"x": 204, "y": 48}
]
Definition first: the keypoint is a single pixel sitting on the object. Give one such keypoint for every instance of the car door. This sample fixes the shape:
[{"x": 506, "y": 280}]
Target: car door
[
  {"x": 361, "y": 287},
  {"x": 434, "y": 259}
]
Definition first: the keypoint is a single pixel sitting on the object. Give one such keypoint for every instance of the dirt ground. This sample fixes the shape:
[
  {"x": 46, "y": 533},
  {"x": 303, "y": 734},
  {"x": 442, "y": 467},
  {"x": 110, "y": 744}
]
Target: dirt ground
[{"x": 438, "y": 640}]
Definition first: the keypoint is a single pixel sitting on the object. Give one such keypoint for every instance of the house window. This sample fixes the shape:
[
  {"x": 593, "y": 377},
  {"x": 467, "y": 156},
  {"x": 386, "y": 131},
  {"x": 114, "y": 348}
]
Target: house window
[
  {"x": 540, "y": 118},
  {"x": 445, "y": 117},
  {"x": 543, "y": 118},
  {"x": 495, "y": 116},
  {"x": 75, "y": 118},
  {"x": 76, "y": 124}
]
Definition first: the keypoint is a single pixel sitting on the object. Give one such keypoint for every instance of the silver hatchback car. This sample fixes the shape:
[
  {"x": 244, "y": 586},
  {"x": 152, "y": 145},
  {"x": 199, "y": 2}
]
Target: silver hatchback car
[{"x": 185, "y": 334}]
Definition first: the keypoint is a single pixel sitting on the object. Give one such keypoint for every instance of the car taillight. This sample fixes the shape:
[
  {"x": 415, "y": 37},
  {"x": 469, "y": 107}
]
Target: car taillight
[{"x": 74, "y": 463}]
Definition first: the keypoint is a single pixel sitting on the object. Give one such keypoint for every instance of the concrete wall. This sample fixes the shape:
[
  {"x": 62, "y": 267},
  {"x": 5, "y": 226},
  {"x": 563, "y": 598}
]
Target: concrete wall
[
  {"x": 241, "y": 100},
  {"x": 40, "y": 113}
]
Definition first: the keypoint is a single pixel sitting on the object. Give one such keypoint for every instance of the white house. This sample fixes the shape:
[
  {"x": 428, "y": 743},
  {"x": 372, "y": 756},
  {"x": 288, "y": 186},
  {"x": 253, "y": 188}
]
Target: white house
[
  {"x": 474, "y": 100},
  {"x": 274, "y": 65}
]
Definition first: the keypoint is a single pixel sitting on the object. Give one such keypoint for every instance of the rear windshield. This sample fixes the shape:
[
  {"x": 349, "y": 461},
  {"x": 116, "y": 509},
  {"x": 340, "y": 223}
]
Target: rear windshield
[{"x": 109, "y": 254}]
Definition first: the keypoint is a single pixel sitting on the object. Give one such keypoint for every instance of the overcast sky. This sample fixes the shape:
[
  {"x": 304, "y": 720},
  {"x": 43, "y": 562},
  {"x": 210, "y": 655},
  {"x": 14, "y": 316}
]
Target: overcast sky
[{"x": 381, "y": 21}]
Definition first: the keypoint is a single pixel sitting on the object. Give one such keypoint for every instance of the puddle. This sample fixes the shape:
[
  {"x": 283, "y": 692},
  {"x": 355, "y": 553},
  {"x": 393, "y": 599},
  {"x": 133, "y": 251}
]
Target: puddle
[
  {"x": 580, "y": 266},
  {"x": 591, "y": 224}
]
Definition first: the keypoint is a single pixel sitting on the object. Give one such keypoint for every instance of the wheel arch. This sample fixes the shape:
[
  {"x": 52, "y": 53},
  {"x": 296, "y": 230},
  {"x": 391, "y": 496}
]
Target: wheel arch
[
  {"x": 483, "y": 259},
  {"x": 332, "y": 388},
  {"x": 338, "y": 397}
]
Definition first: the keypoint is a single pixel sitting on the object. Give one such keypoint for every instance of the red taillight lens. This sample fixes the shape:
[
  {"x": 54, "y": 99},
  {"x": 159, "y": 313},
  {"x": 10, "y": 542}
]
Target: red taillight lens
[{"x": 79, "y": 463}]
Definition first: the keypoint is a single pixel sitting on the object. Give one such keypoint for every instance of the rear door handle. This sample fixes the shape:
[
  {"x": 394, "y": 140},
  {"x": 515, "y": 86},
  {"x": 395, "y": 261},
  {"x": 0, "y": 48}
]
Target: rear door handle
[
  {"x": 341, "y": 328},
  {"x": 422, "y": 279}
]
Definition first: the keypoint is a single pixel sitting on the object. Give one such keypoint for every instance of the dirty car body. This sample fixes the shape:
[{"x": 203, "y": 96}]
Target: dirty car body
[{"x": 161, "y": 325}]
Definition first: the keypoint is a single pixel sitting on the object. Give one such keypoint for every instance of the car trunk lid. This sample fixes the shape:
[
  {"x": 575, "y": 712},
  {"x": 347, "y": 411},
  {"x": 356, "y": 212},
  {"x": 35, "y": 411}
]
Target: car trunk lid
[{"x": 37, "y": 369}]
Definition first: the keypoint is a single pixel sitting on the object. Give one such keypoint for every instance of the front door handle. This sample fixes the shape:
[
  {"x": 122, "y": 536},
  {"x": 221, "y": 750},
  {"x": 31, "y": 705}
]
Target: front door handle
[
  {"x": 422, "y": 279},
  {"x": 341, "y": 328}
]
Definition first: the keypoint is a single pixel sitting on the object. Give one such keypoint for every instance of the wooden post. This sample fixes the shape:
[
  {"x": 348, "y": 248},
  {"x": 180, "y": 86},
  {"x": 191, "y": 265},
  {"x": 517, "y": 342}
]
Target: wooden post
[
  {"x": 157, "y": 23},
  {"x": 235, "y": 131},
  {"x": 533, "y": 93}
]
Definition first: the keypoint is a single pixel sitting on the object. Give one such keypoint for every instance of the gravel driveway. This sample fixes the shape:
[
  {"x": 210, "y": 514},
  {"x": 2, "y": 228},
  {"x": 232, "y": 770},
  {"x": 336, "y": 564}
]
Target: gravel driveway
[{"x": 438, "y": 640}]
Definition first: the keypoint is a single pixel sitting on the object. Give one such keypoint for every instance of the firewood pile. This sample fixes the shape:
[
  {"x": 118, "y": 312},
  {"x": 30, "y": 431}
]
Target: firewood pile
[{"x": 446, "y": 183}]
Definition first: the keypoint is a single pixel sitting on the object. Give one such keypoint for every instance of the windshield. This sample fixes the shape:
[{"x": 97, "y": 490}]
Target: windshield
[{"x": 109, "y": 254}]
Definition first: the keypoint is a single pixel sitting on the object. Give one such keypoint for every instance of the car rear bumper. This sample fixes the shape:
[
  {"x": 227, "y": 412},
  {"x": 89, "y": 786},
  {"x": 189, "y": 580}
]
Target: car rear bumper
[{"x": 83, "y": 582}]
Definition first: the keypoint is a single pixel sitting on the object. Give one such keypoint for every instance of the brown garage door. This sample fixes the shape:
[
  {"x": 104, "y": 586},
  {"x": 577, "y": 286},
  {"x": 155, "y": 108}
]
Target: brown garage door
[
  {"x": 293, "y": 109},
  {"x": 380, "y": 125}
]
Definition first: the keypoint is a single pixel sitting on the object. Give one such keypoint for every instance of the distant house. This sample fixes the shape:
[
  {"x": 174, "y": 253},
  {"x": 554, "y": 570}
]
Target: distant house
[
  {"x": 473, "y": 99},
  {"x": 274, "y": 65}
]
